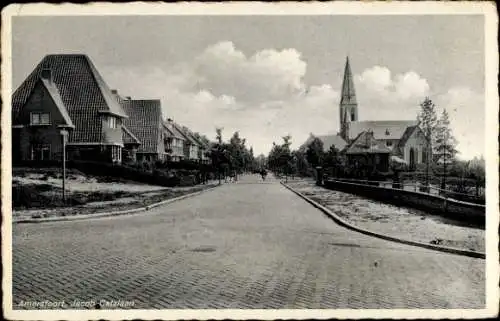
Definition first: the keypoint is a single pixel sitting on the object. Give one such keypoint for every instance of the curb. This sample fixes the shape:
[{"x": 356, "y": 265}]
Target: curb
[
  {"x": 109, "y": 214},
  {"x": 345, "y": 224}
]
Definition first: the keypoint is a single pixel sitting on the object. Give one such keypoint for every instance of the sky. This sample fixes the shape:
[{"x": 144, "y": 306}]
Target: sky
[{"x": 269, "y": 76}]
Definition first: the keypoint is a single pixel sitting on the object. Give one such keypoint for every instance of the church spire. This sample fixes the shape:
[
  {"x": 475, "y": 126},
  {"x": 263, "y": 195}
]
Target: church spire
[
  {"x": 348, "y": 93},
  {"x": 348, "y": 104}
]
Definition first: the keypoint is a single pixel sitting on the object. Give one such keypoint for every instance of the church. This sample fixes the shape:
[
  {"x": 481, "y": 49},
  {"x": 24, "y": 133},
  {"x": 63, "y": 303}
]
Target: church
[{"x": 373, "y": 142}]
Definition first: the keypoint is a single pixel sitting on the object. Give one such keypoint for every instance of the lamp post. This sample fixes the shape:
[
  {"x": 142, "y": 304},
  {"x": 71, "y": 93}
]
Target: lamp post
[{"x": 64, "y": 137}]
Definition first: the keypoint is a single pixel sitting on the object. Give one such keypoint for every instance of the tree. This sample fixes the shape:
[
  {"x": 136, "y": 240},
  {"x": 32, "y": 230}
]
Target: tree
[
  {"x": 333, "y": 159},
  {"x": 445, "y": 146},
  {"x": 314, "y": 152},
  {"x": 427, "y": 120}
]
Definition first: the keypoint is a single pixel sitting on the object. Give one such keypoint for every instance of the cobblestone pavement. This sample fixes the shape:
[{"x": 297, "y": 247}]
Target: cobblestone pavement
[{"x": 249, "y": 244}]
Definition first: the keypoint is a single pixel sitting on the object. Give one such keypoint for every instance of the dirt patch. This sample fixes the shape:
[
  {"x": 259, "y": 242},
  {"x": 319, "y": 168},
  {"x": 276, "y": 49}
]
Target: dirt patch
[{"x": 400, "y": 222}]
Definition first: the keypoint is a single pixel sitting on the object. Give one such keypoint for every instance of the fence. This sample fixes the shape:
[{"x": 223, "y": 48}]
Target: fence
[
  {"x": 418, "y": 187},
  {"x": 426, "y": 201}
]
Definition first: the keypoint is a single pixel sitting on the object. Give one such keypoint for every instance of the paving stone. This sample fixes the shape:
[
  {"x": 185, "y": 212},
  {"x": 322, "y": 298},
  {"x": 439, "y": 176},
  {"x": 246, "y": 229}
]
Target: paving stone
[{"x": 243, "y": 245}]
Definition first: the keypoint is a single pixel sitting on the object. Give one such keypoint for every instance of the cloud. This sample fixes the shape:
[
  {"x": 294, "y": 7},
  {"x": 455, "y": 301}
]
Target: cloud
[
  {"x": 467, "y": 111},
  {"x": 384, "y": 96},
  {"x": 268, "y": 75}
]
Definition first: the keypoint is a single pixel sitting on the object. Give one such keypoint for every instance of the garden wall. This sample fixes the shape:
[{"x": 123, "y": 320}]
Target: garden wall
[{"x": 434, "y": 204}]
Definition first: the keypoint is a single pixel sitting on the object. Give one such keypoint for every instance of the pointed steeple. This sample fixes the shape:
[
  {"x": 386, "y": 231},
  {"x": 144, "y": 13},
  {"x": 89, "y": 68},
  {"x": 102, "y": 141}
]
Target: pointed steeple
[{"x": 348, "y": 93}]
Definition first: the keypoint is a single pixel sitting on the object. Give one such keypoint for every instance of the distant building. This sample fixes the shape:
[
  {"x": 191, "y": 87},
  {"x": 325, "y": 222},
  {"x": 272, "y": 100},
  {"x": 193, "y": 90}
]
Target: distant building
[
  {"x": 174, "y": 141},
  {"x": 368, "y": 153},
  {"x": 145, "y": 122},
  {"x": 66, "y": 92},
  {"x": 403, "y": 139}
]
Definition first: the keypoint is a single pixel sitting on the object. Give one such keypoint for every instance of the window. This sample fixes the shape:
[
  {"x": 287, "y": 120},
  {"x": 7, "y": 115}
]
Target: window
[
  {"x": 352, "y": 115},
  {"x": 40, "y": 152},
  {"x": 388, "y": 143},
  {"x": 40, "y": 119},
  {"x": 112, "y": 122}
]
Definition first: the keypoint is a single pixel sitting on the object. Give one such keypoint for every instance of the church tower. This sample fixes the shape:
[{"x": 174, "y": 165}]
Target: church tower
[{"x": 348, "y": 104}]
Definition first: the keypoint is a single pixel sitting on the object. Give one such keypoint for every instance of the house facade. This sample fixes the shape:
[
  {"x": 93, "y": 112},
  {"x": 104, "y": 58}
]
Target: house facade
[
  {"x": 174, "y": 141},
  {"x": 145, "y": 122},
  {"x": 66, "y": 93},
  {"x": 368, "y": 154}
]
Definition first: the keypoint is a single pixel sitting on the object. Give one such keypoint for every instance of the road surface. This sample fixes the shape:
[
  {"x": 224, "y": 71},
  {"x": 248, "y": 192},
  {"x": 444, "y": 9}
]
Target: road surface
[{"x": 249, "y": 244}]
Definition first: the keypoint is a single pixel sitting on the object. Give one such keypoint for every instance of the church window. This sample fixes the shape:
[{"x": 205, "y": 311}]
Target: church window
[
  {"x": 387, "y": 133},
  {"x": 353, "y": 116}
]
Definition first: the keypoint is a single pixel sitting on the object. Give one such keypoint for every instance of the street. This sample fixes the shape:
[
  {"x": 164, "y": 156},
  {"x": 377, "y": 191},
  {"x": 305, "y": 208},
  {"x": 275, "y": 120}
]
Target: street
[{"x": 249, "y": 244}]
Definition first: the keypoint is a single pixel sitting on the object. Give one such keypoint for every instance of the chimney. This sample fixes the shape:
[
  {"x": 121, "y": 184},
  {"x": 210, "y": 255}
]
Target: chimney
[{"x": 46, "y": 74}]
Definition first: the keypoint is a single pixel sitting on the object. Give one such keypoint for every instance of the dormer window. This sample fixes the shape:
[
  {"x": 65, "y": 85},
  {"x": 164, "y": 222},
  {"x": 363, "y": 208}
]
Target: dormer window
[{"x": 40, "y": 118}]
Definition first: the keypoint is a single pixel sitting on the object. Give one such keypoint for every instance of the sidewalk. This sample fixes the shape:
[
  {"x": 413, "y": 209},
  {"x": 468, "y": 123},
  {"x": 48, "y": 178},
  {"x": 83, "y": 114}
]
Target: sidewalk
[
  {"x": 403, "y": 223},
  {"x": 140, "y": 200}
]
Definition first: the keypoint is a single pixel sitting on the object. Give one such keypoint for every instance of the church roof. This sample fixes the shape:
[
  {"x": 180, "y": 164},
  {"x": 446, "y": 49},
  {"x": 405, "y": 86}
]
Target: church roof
[
  {"x": 348, "y": 92},
  {"x": 382, "y": 129},
  {"x": 327, "y": 140}
]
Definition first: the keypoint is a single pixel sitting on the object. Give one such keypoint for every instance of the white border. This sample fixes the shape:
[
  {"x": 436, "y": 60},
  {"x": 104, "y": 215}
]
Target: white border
[{"x": 283, "y": 8}]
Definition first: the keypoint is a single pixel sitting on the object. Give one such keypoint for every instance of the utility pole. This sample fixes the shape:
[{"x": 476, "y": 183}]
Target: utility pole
[{"x": 64, "y": 135}]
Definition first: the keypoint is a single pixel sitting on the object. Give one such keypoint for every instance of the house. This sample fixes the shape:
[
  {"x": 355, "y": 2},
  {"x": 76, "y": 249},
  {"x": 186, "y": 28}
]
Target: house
[
  {"x": 146, "y": 123},
  {"x": 190, "y": 145},
  {"x": 131, "y": 144},
  {"x": 66, "y": 93},
  {"x": 367, "y": 153},
  {"x": 202, "y": 147},
  {"x": 174, "y": 141}
]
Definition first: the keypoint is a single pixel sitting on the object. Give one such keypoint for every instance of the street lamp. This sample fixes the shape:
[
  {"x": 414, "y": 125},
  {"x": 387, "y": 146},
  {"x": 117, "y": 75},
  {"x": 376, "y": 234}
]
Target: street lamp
[{"x": 64, "y": 138}]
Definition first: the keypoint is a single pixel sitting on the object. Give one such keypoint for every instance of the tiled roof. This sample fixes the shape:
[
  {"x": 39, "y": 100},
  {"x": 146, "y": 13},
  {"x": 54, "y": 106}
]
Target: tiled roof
[
  {"x": 382, "y": 129},
  {"x": 82, "y": 90},
  {"x": 184, "y": 133},
  {"x": 366, "y": 143},
  {"x": 56, "y": 97},
  {"x": 129, "y": 137},
  {"x": 328, "y": 141},
  {"x": 171, "y": 131},
  {"x": 145, "y": 122},
  {"x": 176, "y": 131}
]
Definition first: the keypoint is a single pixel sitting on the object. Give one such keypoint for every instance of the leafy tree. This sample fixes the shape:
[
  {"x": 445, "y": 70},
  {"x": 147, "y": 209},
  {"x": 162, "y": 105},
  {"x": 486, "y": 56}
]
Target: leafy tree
[
  {"x": 314, "y": 152},
  {"x": 445, "y": 146},
  {"x": 333, "y": 159},
  {"x": 427, "y": 119}
]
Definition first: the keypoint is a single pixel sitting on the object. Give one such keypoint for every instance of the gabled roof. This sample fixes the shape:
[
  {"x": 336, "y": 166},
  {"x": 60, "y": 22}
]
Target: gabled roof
[
  {"x": 184, "y": 133},
  {"x": 382, "y": 129},
  {"x": 129, "y": 137},
  {"x": 327, "y": 140},
  {"x": 406, "y": 135},
  {"x": 56, "y": 98},
  {"x": 145, "y": 122},
  {"x": 173, "y": 128},
  {"x": 82, "y": 90},
  {"x": 366, "y": 143}
]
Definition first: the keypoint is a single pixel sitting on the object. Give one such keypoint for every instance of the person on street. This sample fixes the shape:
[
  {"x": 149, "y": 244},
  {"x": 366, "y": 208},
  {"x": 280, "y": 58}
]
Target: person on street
[{"x": 263, "y": 173}]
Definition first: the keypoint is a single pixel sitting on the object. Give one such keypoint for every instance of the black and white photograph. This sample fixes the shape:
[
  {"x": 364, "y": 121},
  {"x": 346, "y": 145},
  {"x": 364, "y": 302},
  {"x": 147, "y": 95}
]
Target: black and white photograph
[{"x": 250, "y": 160}]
